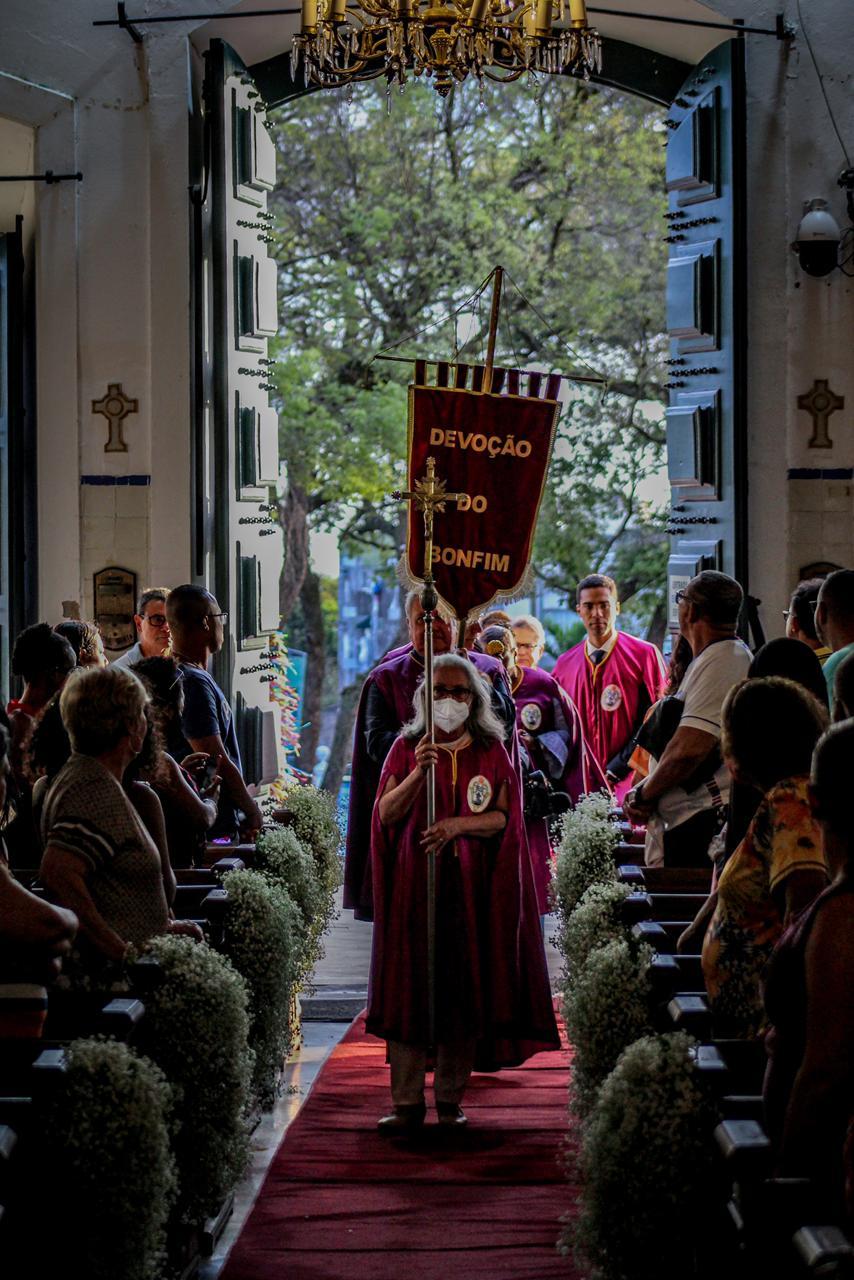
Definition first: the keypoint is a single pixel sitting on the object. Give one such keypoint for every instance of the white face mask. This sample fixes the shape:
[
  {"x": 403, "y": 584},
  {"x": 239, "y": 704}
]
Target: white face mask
[{"x": 449, "y": 714}]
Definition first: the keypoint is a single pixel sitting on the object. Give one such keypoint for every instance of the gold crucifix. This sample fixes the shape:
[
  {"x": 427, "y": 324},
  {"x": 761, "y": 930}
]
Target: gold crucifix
[
  {"x": 429, "y": 497},
  {"x": 115, "y": 406}
]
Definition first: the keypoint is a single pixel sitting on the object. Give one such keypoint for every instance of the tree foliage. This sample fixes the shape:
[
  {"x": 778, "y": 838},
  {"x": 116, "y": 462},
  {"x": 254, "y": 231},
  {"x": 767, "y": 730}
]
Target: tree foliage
[{"x": 389, "y": 214}]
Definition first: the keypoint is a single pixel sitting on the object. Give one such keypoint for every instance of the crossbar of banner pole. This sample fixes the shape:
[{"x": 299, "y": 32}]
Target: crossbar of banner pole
[{"x": 569, "y": 377}]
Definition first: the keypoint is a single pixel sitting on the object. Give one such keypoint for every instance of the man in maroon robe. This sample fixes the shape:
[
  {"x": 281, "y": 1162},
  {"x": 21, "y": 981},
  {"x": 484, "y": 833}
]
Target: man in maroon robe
[
  {"x": 386, "y": 705},
  {"x": 550, "y": 728},
  {"x": 492, "y": 998},
  {"x": 611, "y": 677}
]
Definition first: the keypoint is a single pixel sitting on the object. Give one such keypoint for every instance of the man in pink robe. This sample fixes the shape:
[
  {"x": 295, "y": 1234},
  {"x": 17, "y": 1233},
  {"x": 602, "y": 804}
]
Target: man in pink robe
[{"x": 612, "y": 678}]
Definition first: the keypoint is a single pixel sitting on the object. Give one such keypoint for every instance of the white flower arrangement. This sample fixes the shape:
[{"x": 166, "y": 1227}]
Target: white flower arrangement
[
  {"x": 597, "y": 920},
  {"x": 196, "y": 1029},
  {"x": 107, "y": 1155},
  {"x": 643, "y": 1165},
  {"x": 607, "y": 1007},
  {"x": 313, "y": 817},
  {"x": 313, "y": 827},
  {"x": 262, "y": 927},
  {"x": 585, "y": 855}
]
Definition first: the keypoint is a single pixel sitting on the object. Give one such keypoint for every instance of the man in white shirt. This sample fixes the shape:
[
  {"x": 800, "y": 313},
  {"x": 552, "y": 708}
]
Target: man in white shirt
[
  {"x": 689, "y": 787},
  {"x": 152, "y": 629}
]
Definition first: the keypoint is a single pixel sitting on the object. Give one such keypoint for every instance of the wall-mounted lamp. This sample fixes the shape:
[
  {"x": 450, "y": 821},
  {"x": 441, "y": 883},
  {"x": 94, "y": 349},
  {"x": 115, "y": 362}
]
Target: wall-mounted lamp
[{"x": 818, "y": 236}]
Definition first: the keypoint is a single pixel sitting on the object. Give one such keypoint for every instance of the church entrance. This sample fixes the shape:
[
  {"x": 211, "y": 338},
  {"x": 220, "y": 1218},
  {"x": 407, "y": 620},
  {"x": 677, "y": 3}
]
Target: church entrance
[{"x": 702, "y": 421}]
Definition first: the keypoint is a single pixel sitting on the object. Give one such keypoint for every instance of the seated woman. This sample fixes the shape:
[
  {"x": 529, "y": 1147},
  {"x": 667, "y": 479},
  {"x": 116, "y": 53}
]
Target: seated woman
[
  {"x": 189, "y": 805},
  {"x": 809, "y": 1085},
  {"x": 44, "y": 661},
  {"x": 492, "y": 1000},
  {"x": 34, "y": 936},
  {"x": 99, "y": 859},
  {"x": 552, "y": 741},
  {"x": 769, "y": 730}
]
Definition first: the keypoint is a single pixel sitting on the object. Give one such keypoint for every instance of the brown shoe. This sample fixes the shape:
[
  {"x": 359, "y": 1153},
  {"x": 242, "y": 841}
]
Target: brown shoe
[
  {"x": 451, "y": 1116},
  {"x": 403, "y": 1119}
]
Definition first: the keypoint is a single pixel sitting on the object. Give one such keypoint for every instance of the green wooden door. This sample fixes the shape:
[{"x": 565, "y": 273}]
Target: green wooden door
[
  {"x": 706, "y": 286},
  {"x": 239, "y": 465}
]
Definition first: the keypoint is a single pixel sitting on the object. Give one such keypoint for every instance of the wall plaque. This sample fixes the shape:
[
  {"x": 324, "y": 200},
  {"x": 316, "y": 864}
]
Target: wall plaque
[{"x": 115, "y": 605}]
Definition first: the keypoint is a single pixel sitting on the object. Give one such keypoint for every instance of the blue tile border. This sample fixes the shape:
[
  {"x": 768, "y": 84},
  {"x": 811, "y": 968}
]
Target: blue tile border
[
  {"x": 821, "y": 473},
  {"x": 135, "y": 480}
]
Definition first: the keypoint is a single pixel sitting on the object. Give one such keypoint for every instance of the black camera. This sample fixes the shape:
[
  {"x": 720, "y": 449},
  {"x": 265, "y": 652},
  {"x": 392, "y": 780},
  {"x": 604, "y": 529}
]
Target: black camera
[{"x": 540, "y": 801}]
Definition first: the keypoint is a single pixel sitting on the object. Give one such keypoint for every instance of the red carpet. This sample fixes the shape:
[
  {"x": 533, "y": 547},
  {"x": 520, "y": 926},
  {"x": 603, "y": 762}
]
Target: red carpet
[{"x": 341, "y": 1202}]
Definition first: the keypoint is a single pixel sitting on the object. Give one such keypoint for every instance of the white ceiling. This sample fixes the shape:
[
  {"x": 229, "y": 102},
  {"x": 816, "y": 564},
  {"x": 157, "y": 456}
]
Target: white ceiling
[{"x": 257, "y": 39}]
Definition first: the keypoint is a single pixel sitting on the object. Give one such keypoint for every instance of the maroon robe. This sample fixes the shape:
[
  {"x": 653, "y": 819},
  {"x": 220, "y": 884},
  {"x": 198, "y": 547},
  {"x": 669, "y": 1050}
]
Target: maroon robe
[
  {"x": 396, "y": 680},
  {"x": 491, "y": 975},
  {"x": 555, "y": 744},
  {"x": 613, "y": 696}
]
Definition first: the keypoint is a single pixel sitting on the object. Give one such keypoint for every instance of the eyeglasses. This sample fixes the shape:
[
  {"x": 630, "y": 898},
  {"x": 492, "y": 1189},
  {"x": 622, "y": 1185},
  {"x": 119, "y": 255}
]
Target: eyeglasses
[
  {"x": 222, "y": 616},
  {"x": 526, "y": 647},
  {"x": 156, "y": 619},
  {"x": 787, "y": 613},
  {"x": 682, "y": 595},
  {"x": 446, "y": 691}
]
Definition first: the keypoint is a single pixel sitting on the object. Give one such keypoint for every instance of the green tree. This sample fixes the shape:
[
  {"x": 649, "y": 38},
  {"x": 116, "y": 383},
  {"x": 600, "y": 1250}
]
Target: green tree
[{"x": 388, "y": 216}]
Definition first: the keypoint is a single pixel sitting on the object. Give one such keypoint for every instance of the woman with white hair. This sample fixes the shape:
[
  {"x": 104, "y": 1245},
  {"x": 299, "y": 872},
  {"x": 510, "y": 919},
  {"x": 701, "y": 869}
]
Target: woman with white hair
[{"x": 493, "y": 1005}]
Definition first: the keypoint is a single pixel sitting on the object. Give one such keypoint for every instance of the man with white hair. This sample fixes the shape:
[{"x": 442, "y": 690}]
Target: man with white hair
[
  {"x": 530, "y": 640},
  {"x": 385, "y": 705}
]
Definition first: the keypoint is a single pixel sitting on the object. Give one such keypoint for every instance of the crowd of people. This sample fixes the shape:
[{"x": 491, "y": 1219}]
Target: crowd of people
[
  {"x": 727, "y": 762},
  {"x": 111, "y": 777}
]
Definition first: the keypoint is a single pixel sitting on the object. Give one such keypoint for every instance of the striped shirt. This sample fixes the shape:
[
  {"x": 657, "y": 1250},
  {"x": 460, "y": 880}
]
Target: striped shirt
[{"x": 87, "y": 815}]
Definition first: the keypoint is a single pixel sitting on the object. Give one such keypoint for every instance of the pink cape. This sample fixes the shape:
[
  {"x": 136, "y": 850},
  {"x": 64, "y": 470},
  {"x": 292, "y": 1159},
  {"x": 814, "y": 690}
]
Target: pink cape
[
  {"x": 608, "y": 695},
  {"x": 492, "y": 979}
]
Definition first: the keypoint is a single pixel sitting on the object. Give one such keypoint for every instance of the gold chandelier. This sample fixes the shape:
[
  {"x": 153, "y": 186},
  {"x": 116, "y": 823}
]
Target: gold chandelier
[{"x": 445, "y": 40}]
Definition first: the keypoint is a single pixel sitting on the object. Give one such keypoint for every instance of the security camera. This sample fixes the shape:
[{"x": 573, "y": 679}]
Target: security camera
[{"x": 817, "y": 239}]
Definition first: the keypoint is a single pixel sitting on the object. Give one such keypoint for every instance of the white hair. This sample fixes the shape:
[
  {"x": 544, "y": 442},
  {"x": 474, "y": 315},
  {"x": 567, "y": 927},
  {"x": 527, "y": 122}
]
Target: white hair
[
  {"x": 533, "y": 624},
  {"x": 482, "y": 723},
  {"x": 414, "y": 597}
]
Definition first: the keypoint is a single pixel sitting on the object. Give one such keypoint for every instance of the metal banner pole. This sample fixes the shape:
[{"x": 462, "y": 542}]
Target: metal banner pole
[{"x": 429, "y": 497}]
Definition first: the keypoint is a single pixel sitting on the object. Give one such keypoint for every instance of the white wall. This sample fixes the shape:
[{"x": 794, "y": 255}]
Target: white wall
[
  {"x": 800, "y": 328},
  {"x": 113, "y": 281}
]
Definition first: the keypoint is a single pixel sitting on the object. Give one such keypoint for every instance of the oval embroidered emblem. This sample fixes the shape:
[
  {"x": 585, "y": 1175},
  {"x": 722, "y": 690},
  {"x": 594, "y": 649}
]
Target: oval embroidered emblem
[
  {"x": 532, "y": 716},
  {"x": 479, "y": 793},
  {"x": 611, "y": 697}
]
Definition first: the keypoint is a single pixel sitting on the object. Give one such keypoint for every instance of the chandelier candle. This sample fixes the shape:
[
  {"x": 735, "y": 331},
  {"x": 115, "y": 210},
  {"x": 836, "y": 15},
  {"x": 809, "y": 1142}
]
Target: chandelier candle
[{"x": 444, "y": 40}]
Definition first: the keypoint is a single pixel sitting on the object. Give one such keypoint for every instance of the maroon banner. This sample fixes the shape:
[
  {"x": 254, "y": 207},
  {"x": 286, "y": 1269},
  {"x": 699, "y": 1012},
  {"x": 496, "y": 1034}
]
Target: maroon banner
[{"x": 494, "y": 450}]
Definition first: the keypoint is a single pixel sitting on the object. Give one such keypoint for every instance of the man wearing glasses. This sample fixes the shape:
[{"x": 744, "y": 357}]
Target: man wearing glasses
[
  {"x": 152, "y": 629},
  {"x": 197, "y": 626},
  {"x": 800, "y": 618}
]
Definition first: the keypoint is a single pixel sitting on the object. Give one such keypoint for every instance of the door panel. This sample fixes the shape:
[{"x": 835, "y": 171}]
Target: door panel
[
  {"x": 245, "y": 541},
  {"x": 18, "y": 529},
  {"x": 705, "y": 321}
]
